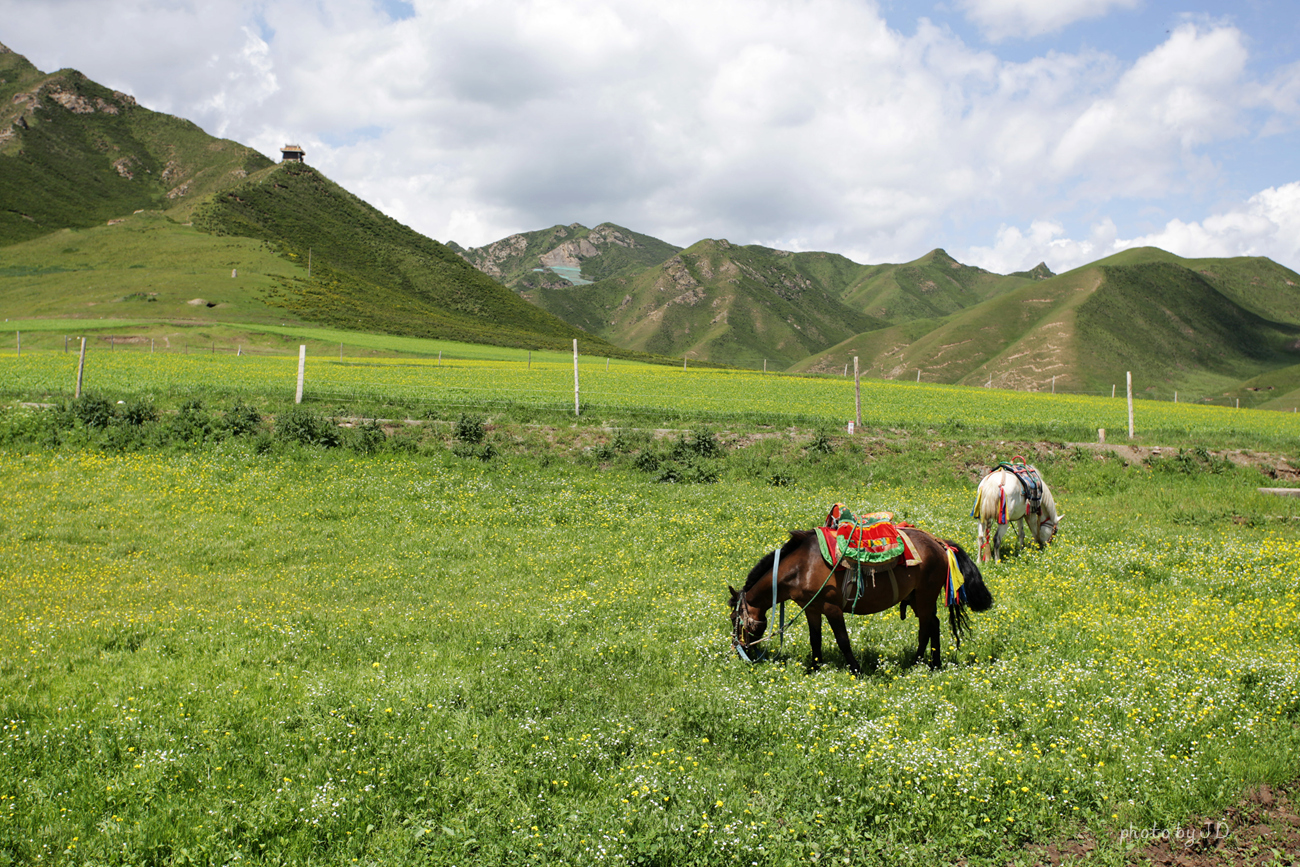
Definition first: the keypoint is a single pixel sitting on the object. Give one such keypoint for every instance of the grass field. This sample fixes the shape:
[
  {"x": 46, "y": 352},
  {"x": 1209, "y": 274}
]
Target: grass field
[
  {"x": 454, "y": 378},
  {"x": 225, "y": 652}
]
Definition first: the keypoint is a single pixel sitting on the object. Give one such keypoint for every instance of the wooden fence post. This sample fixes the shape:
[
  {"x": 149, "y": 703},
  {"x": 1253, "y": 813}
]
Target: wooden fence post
[
  {"x": 857, "y": 393},
  {"x": 302, "y": 367},
  {"x": 81, "y": 366},
  {"x": 1128, "y": 378}
]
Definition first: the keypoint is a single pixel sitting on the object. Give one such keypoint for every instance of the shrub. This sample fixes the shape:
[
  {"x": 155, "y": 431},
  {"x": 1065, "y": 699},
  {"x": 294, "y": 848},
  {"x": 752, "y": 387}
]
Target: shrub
[
  {"x": 243, "y": 419},
  {"x": 705, "y": 444},
  {"x": 482, "y": 451},
  {"x": 191, "y": 422},
  {"x": 471, "y": 429},
  {"x": 822, "y": 443},
  {"x": 34, "y": 426},
  {"x": 368, "y": 438},
  {"x": 92, "y": 410},
  {"x": 138, "y": 411},
  {"x": 301, "y": 425}
]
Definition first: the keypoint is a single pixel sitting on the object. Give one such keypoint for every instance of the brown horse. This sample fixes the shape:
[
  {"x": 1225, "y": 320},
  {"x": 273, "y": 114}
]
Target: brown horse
[{"x": 806, "y": 578}]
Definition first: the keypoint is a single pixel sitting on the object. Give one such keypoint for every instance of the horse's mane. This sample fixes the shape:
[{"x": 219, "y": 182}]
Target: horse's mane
[{"x": 764, "y": 566}]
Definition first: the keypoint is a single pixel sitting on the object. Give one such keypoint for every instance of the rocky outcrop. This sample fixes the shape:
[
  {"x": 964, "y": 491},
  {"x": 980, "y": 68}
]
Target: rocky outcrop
[{"x": 569, "y": 254}]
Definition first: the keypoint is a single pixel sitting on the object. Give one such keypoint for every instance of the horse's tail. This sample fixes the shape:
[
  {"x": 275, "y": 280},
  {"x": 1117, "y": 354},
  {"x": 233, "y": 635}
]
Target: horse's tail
[
  {"x": 974, "y": 591},
  {"x": 974, "y": 594}
]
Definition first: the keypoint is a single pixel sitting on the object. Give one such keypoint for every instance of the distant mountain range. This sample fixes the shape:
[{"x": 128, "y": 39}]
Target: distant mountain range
[
  {"x": 1192, "y": 326},
  {"x": 78, "y": 160}
]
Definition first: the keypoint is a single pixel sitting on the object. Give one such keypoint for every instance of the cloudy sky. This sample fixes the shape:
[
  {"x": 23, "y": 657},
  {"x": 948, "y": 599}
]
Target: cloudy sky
[{"x": 1006, "y": 131}]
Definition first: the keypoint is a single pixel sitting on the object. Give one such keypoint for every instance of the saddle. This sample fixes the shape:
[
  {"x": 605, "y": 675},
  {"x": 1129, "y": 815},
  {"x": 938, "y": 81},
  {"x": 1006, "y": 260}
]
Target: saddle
[
  {"x": 872, "y": 542},
  {"x": 1030, "y": 482}
]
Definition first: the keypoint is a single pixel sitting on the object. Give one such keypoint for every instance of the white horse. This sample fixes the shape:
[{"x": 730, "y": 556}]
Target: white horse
[{"x": 1000, "y": 500}]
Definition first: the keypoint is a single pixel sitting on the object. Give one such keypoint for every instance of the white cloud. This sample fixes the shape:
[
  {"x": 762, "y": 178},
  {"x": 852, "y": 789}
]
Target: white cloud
[
  {"x": 1000, "y": 19},
  {"x": 811, "y": 124},
  {"x": 1266, "y": 224}
]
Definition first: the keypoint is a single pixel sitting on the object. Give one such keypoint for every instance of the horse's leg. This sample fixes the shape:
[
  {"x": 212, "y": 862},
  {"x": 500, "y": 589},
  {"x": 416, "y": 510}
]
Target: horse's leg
[
  {"x": 997, "y": 541},
  {"x": 927, "y": 634},
  {"x": 1020, "y": 536},
  {"x": 928, "y": 631},
  {"x": 836, "y": 619},
  {"x": 814, "y": 618}
]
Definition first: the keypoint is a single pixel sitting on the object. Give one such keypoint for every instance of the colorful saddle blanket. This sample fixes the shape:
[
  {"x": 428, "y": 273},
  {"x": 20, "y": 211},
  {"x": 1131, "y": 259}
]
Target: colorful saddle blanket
[
  {"x": 873, "y": 539},
  {"x": 1030, "y": 481}
]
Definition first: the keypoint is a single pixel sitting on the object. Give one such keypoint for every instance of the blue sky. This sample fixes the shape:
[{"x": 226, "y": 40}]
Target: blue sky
[{"x": 1006, "y": 131}]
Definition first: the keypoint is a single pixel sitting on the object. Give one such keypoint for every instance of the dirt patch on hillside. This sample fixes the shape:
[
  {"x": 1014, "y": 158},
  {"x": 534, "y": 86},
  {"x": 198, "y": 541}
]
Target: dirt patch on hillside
[{"x": 1273, "y": 466}]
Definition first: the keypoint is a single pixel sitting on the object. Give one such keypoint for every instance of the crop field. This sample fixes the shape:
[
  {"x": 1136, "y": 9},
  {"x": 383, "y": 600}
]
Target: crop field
[
  {"x": 316, "y": 656},
  {"x": 545, "y": 381}
]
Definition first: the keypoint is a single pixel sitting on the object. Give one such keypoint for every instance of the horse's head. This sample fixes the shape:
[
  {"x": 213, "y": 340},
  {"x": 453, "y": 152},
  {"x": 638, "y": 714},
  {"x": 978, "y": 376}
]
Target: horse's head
[
  {"x": 1047, "y": 528},
  {"x": 748, "y": 623}
]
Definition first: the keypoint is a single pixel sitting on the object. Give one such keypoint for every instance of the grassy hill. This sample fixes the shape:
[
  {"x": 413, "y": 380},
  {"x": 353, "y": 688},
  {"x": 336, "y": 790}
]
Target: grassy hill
[
  {"x": 716, "y": 301},
  {"x": 369, "y": 272},
  {"x": 932, "y": 286},
  {"x": 566, "y": 255},
  {"x": 74, "y": 154},
  {"x": 109, "y": 209},
  {"x": 1178, "y": 325},
  {"x": 763, "y": 305}
]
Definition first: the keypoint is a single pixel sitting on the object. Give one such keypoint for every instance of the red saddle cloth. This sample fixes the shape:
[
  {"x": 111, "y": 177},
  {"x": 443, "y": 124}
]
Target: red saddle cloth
[{"x": 873, "y": 538}]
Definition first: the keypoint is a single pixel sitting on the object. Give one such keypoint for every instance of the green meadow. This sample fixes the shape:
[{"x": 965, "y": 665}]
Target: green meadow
[{"x": 497, "y": 634}]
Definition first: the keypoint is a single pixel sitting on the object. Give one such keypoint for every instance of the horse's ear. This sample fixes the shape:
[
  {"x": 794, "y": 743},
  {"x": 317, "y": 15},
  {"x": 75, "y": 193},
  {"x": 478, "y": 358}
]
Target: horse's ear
[
  {"x": 734, "y": 593},
  {"x": 1060, "y": 518}
]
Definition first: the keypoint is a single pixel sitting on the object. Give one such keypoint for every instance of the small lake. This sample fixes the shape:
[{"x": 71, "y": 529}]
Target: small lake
[{"x": 573, "y": 275}]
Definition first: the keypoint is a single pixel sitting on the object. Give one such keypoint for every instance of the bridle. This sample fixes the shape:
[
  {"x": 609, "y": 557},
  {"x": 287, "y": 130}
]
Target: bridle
[{"x": 742, "y": 621}]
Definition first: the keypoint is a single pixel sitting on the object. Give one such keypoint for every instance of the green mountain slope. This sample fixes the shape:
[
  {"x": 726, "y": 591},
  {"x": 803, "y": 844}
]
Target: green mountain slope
[
  {"x": 95, "y": 186},
  {"x": 566, "y": 255},
  {"x": 934, "y": 285},
  {"x": 717, "y": 302},
  {"x": 368, "y": 271},
  {"x": 76, "y": 154},
  {"x": 765, "y": 306},
  {"x": 1176, "y": 324}
]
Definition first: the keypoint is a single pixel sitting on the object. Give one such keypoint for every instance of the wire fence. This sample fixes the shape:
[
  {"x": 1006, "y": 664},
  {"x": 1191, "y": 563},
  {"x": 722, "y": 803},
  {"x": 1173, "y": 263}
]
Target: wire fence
[{"x": 341, "y": 380}]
